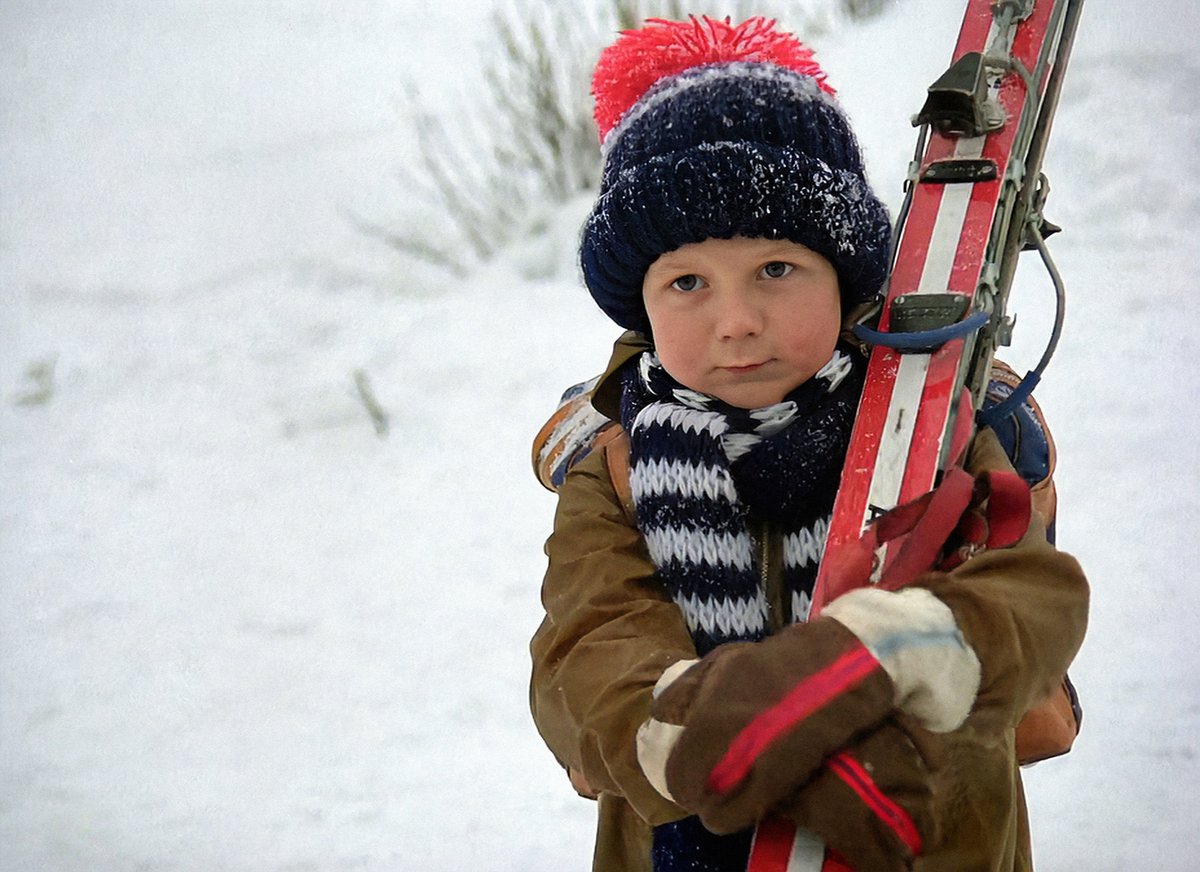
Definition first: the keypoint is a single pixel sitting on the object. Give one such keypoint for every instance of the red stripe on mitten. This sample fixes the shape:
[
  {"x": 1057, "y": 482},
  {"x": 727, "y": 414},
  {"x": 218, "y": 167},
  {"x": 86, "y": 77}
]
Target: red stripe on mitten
[
  {"x": 753, "y": 721},
  {"x": 873, "y": 803}
]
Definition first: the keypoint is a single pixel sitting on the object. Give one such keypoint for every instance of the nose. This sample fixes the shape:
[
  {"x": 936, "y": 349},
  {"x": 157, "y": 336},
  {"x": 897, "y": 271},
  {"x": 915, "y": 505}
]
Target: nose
[{"x": 738, "y": 314}]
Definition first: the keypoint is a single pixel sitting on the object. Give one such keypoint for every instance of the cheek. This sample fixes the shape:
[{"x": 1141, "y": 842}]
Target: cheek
[
  {"x": 823, "y": 330},
  {"x": 815, "y": 334},
  {"x": 678, "y": 341},
  {"x": 677, "y": 351}
]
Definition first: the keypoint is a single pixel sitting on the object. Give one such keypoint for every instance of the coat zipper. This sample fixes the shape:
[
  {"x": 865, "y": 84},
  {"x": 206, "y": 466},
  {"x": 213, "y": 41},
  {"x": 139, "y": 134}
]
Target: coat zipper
[{"x": 771, "y": 579}]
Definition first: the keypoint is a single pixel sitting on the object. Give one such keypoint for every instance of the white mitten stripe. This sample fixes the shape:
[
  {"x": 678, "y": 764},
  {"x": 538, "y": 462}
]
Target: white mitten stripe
[
  {"x": 916, "y": 639},
  {"x": 656, "y": 739},
  {"x": 669, "y": 675},
  {"x": 655, "y": 742}
]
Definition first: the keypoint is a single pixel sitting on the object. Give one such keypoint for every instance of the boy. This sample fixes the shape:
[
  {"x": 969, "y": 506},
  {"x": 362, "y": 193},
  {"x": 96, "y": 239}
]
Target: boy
[{"x": 675, "y": 675}]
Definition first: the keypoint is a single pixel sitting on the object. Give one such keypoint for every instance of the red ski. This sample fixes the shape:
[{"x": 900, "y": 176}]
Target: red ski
[{"x": 974, "y": 199}]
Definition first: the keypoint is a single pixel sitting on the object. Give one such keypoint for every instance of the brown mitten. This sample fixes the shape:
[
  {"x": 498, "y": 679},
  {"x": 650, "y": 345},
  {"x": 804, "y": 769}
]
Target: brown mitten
[
  {"x": 872, "y": 803},
  {"x": 736, "y": 733}
]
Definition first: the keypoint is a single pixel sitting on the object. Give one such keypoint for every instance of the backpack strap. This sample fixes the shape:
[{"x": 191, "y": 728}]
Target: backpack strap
[{"x": 616, "y": 458}]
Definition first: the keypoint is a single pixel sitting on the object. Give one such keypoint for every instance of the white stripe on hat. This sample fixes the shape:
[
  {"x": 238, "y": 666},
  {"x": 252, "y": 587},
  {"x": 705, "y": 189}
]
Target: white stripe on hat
[{"x": 805, "y": 89}]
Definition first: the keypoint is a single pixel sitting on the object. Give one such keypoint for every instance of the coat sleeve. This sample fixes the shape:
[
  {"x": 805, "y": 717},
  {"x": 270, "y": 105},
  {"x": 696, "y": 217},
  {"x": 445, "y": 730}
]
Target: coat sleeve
[
  {"x": 1023, "y": 610},
  {"x": 608, "y": 634}
]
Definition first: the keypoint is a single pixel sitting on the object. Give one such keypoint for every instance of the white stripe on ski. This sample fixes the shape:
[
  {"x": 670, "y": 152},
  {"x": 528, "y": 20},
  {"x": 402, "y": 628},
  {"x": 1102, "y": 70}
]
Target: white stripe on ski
[
  {"x": 808, "y": 854},
  {"x": 898, "y": 429},
  {"x": 948, "y": 228},
  {"x": 900, "y": 424}
]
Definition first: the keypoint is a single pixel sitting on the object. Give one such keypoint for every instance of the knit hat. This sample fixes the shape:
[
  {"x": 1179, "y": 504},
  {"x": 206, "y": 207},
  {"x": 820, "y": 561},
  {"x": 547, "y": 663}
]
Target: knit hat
[{"x": 714, "y": 130}]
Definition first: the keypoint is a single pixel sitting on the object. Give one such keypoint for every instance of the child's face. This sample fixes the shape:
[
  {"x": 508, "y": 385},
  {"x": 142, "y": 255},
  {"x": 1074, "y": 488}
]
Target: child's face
[{"x": 743, "y": 320}]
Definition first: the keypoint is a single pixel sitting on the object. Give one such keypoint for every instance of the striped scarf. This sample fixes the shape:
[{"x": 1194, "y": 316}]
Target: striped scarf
[{"x": 708, "y": 479}]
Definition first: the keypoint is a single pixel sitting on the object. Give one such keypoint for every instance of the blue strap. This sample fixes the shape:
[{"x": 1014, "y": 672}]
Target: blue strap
[
  {"x": 997, "y": 413},
  {"x": 922, "y": 340}
]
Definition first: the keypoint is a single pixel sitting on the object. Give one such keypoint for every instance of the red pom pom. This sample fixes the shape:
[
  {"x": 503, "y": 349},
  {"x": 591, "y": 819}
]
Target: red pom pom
[{"x": 639, "y": 58}]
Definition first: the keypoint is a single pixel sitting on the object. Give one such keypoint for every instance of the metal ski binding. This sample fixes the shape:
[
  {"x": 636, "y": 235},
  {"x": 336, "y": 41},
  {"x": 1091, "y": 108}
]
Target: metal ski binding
[{"x": 958, "y": 103}]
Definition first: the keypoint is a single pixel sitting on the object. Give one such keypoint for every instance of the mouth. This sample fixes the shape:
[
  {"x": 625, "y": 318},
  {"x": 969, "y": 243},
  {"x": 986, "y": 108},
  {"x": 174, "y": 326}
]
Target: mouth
[{"x": 745, "y": 368}]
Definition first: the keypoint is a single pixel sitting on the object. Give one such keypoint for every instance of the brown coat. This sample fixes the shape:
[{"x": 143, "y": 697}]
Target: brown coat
[{"x": 610, "y": 630}]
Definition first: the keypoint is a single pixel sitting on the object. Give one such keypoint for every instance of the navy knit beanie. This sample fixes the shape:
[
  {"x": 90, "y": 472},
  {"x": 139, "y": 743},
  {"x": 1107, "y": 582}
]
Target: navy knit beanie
[{"x": 713, "y": 130}]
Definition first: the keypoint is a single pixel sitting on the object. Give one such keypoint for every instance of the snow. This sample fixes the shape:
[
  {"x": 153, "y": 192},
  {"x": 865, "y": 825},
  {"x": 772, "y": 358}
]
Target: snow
[{"x": 242, "y": 631}]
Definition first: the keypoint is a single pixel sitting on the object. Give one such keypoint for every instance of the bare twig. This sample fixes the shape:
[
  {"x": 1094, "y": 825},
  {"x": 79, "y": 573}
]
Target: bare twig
[
  {"x": 527, "y": 139},
  {"x": 379, "y": 418}
]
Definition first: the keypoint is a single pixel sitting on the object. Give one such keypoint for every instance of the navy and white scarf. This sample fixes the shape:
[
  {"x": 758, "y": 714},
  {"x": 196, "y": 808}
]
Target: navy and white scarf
[{"x": 707, "y": 479}]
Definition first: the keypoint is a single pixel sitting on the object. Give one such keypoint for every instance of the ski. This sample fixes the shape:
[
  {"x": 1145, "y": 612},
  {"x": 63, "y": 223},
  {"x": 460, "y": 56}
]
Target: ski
[{"x": 973, "y": 202}]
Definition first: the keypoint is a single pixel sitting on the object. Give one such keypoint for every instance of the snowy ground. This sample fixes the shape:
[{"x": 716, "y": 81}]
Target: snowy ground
[{"x": 241, "y": 631}]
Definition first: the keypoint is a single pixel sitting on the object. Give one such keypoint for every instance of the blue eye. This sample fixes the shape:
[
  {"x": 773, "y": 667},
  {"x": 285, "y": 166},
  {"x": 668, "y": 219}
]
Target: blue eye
[
  {"x": 776, "y": 269},
  {"x": 688, "y": 283}
]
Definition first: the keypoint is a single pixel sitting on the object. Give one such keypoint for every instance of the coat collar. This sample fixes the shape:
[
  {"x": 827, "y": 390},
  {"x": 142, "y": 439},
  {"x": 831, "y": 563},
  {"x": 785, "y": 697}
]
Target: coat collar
[{"x": 606, "y": 396}]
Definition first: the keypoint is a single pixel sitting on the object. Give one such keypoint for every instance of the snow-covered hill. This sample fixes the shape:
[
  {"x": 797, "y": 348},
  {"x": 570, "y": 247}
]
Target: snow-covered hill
[{"x": 240, "y": 630}]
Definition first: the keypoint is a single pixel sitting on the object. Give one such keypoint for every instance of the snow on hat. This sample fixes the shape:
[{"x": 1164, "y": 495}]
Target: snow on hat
[{"x": 710, "y": 129}]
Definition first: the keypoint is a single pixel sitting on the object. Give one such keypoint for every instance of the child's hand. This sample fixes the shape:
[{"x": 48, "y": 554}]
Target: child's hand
[
  {"x": 915, "y": 635},
  {"x": 872, "y": 803},
  {"x": 733, "y": 735}
]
